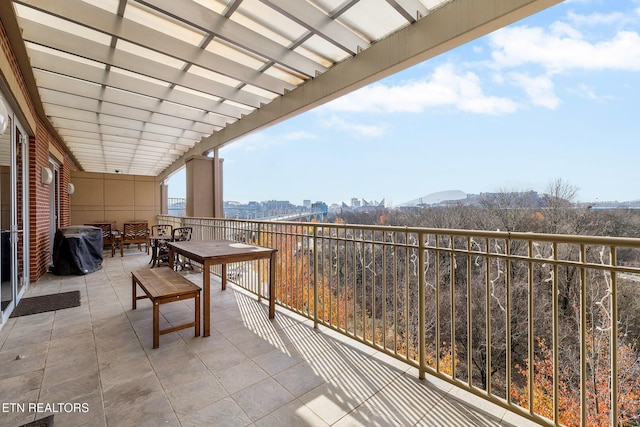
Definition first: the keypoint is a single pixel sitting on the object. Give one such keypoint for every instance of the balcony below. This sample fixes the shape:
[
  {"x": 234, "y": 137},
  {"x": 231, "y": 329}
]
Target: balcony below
[{"x": 250, "y": 371}]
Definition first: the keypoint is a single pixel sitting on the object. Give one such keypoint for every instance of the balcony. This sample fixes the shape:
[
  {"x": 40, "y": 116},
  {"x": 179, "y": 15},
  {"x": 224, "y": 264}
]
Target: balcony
[
  {"x": 250, "y": 371},
  {"x": 348, "y": 345}
]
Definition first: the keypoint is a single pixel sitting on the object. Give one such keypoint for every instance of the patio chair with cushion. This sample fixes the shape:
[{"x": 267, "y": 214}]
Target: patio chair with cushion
[
  {"x": 134, "y": 233},
  {"x": 182, "y": 234},
  {"x": 162, "y": 230},
  {"x": 160, "y": 235}
]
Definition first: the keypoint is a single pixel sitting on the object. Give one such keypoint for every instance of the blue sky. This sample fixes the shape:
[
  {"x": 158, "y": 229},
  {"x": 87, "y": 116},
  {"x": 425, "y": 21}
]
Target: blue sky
[{"x": 553, "y": 96}]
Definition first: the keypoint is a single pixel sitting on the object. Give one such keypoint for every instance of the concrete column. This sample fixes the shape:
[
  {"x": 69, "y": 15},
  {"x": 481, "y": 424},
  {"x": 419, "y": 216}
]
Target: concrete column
[
  {"x": 204, "y": 187},
  {"x": 164, "y": 198},
  {"x": 218, "y": 208}
]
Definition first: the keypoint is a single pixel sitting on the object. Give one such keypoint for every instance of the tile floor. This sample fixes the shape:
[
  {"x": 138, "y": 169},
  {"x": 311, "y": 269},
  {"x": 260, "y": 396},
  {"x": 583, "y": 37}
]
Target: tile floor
[{"x": 94, "y": 365}]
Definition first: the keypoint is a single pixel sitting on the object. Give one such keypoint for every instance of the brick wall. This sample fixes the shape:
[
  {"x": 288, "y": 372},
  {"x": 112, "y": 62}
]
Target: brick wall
[
  {"x": 40, "y": 200},
  {"x": 38, "y": 154},
  {"x": 39, "y": 206},
  {"x": 65, "y": 201}
]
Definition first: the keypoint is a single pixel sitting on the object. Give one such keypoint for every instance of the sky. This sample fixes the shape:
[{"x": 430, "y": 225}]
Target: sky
[{"x": 554, "y": 96}]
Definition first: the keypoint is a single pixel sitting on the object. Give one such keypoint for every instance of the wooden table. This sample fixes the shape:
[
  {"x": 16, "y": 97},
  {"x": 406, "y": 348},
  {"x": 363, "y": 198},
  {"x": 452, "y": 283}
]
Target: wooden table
[{"x": 213, "y": 252}]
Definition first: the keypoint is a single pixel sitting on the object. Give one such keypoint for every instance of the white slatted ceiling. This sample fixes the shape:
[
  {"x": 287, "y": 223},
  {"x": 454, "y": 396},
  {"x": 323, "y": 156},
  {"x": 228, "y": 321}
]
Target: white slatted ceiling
[{"x": 133, "y": 84}]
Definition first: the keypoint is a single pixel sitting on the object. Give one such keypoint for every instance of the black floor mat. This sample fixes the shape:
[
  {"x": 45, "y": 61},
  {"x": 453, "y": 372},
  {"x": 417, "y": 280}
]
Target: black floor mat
[
  {"x": 45, "y": 303},
  {"x": 43, "y": 422}
]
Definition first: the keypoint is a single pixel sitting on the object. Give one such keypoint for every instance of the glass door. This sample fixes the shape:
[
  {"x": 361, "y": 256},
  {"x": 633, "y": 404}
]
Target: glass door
[
  {"x": 13, "y": 216},
  {"x": 7, "y": 297}
]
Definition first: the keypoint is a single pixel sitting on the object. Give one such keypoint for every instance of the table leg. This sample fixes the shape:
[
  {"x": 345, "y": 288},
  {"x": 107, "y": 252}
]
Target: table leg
[
  {"x": 224, "y": 276},
  {"x": 272, "y": 286},
  {"x": 206, "y": 298},
  {"x": 133, "y": 292},
  {"x": 156, "y": 324},
  {"x": 172, "y": 256}
]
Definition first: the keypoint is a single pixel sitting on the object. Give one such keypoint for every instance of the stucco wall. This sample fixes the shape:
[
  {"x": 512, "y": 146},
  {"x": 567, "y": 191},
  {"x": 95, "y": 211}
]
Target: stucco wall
[{"x": 118, "y": 198}]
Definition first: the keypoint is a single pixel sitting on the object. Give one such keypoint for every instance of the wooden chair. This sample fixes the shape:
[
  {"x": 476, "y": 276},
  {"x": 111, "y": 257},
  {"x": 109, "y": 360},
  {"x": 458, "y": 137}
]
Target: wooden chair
[
  {"x": 108, "y": 236},
  {"x": 136, "y": 233}
]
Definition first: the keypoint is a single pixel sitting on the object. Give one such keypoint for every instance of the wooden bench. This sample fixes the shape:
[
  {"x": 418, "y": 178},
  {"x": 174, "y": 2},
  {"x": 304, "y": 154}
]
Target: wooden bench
[{"x": 163, "y": 285}]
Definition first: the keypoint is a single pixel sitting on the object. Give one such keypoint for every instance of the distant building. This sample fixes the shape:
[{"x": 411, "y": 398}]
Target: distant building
[
  {"x": 271, "y": 209},
  {"x": 284, "y": 210},
  {"x": 320, "y": 207},
  {"x": 251, "y": 210},
  {"x": 358, "y": 205}
]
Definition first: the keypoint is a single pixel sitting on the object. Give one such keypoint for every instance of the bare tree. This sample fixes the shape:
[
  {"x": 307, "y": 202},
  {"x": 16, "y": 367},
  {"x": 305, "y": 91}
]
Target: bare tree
[
  {"x": 509, "y": 210},
  {"x": 559, "y": 203}
]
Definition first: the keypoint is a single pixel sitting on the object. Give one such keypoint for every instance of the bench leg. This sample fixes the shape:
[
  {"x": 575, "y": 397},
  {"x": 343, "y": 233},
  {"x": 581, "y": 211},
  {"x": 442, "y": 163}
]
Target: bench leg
[{"x": 156, "y": 324}]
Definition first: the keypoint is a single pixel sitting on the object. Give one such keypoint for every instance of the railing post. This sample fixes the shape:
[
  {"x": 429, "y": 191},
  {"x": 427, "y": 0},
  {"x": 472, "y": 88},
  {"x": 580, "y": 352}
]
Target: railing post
[
  {"x": 556, "y": 337},
  {"x": 422, "y": 353},
  {"x": 507, "y": 283},
  {"x": 315, "y": 276},
  {"x": 613, "y": 308},
  {"x": 583, "y": 337},
  {"x": 531, "y": 330}
]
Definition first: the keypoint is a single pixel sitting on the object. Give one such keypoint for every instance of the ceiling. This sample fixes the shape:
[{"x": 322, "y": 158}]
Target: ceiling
[{"x": 135, "y": 85}]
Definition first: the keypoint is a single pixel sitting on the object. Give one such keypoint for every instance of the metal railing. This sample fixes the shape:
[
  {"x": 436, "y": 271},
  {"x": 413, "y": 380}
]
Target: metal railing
[
  {"x": 533, "y": 322},
  {"x": 176, "y": 206}
]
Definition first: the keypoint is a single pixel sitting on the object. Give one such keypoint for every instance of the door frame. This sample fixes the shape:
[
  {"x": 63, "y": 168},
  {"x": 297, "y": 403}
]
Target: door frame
[
  {"x": 54, "y": 204},
  {"x": 18, "y": 283}
]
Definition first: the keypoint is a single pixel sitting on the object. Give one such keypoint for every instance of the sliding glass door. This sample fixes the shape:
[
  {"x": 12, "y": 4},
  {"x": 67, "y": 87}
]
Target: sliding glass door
[
  {"x": 6, "y": 266},
  {"x": 13, "y": 216}
]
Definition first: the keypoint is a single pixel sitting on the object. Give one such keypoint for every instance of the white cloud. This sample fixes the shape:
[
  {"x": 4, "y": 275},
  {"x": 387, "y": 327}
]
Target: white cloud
[
  {"x": 447, "y": 86},
  {"x": 540, "y": 89},
  {"x": 588, "y": 92},
  {"x": 252, "y": 142},
  {"x": 599, "y": 18},
  {"x": 564, "y": 48},
  {"x": 298, "y": 135},
  {"x": 338, "y": 123},
  {"x": 527, "y": 57},
  {"x": 263, "y": 140}
]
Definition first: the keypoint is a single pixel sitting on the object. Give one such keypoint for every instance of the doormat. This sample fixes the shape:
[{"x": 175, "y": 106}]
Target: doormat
[
  {"x": 42, "y": 422},
  {"x": 44, "y": 303}
]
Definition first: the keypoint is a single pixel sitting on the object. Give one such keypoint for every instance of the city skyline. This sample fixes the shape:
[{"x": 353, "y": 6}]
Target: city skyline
[{"x": 548, "y": 97}]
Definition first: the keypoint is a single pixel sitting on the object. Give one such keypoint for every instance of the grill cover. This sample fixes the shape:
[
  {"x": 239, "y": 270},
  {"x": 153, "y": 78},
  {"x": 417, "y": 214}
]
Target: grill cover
[{"x": 77, "y": 250}]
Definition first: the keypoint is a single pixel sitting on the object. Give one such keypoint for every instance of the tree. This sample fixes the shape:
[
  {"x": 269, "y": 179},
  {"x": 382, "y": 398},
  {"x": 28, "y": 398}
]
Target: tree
[
  {"x": 598, "y": 387},
  {"x": 558, "y": 205},
  {"x": 510, "y": 210},
  {"x": 295, "y": 286}
]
